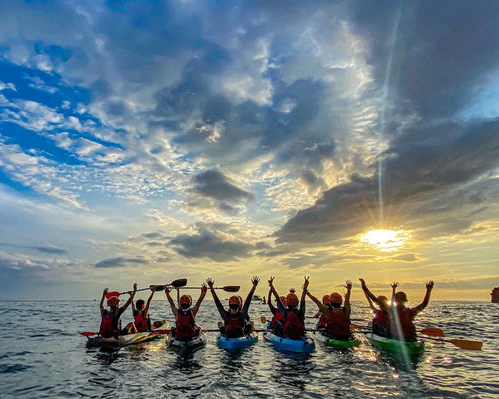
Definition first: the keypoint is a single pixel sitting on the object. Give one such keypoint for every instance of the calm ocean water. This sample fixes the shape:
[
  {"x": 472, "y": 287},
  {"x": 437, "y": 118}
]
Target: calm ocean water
[{"x": 42, "y": 356}]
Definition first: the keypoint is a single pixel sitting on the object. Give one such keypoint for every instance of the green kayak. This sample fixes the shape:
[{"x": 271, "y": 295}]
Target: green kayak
[
  {"x": 395, "y": 346},
  {"x": 337, "y": 343}
]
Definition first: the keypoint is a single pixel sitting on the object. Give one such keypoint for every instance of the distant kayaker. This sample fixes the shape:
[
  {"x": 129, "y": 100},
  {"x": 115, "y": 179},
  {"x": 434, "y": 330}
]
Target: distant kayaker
[
  {"x": 337, "y": 317},
  {"x": 326, "y": 301},
  {"x": 141, "y": 320},
  {"x": 402, "y": 323},
  {"x": 111, "y": 324},
  {"x": 293, "y": 326},
  {"x": 185, "y": 317},
  {"x": 277, "y": 316},
  {"x": 494, "y": 295},
  {"x": 381, "y": 319},
  {"x": 236, "y": 322}
]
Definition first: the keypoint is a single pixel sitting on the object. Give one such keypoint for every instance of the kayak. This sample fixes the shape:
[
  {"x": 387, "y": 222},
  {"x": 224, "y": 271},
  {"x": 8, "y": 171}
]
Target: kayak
[
  {"x": 281, "y": 344},
  {"x": 232, "y": 344},
  {"x": 396, "y": 346},
  {"x": 125, "y": 340},
  {"x": 337, "y": 343},
  {"x": 192, "y": 345}
]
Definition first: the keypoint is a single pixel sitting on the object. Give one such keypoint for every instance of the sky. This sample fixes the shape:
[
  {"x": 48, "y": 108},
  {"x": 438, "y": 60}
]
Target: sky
[{"x": 150, "y": 141}]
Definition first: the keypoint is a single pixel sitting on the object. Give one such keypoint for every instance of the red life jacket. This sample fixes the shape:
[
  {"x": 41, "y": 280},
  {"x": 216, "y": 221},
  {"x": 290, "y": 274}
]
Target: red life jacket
[
  {"x": 381, "y": 317},
  {"x": 107, "y": 329},
  {"x": 406, "y": 319},
  {"x": 277, "y": 317},
  {"x": 294, "y": 326},
  {"x": 234, "y": 326},
  {"x": 140, "y": 322},
  {"x": 338, "y": 325},
  {"x": 322, "y": 322},
  {"x": 185, "y": 326}
]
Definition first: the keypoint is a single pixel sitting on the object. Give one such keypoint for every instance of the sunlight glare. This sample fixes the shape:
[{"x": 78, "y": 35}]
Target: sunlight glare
[{"x": 385, "y": 240}]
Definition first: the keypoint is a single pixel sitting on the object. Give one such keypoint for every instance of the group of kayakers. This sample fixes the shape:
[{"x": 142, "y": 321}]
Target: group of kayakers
[{"x": 391, "y": 319}]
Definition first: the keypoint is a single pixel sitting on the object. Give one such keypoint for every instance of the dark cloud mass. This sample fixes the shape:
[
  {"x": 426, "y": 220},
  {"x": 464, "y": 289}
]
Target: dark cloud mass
[
  {"x": 51, "y": 250},
  {"x": 209, "y": 245},
  {"x": 119, "y": 262}
]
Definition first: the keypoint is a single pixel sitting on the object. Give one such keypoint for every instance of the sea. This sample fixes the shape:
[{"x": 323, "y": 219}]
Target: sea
[{"x": 42, "y": 355}]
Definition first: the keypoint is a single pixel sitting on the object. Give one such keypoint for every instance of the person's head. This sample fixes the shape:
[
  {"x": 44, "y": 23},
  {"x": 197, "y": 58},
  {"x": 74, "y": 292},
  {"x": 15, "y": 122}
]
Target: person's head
[
  {"x": 185, "y": 302},
  {"x": 291, "y": 301},
  {"x": 235, "y": 303},
  {"x": 283, "y": 300},
  {"x": 139, "y": 304},
  {"x": 383, "y": 299},
  {"x": 113, "y": 302},
  {"x": 336, "y": 300},
  {"x": 326, "y": 300},
  {"x": 401, "y": 298}
]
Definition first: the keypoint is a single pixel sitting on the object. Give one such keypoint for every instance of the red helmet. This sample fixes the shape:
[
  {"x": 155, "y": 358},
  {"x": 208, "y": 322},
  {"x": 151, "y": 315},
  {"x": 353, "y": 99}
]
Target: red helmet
[
  {"x": 326, "y": 300},
  {"x": 185, "y": 300},
  {"x": 283, "y": 300},
  {"x": 233, "y": 300},
  {"x": 113, "y": 301},
  {"x": 336, "y": 298},
  {"x": 291, "y": 300}
]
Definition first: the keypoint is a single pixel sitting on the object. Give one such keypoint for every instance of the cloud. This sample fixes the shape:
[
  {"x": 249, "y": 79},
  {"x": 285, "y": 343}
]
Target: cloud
[
  {"x": 214, "y": 184},
  {"x": 209, "y": 245},
  {"x": 119, "y": 262}
]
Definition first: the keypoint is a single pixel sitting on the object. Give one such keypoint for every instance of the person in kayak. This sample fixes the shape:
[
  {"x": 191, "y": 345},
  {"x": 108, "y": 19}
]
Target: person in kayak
[
  {"x": 293, "y": 326},
  {"x": 110, "y": 326},
  {"x": 402, "y": 321},
  {"x": 326, "y": 301},
  {"x": 236, "y": 322},
  {"x": 277, "y": 316},
  {"x": 337, "y": 317},
  {"x": 185, "y": 317},
  {"x": 141, "y": 320},
  {"x": 381, "y": 319}
]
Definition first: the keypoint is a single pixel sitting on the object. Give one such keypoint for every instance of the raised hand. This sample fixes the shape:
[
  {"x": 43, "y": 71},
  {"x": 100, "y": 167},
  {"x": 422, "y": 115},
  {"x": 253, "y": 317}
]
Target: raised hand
[
  {"x": 429, "y": 285},
  {"x": 348, "y": 285},
  {"x": 255, "y": 280},
  {"x": 106, "y": 290},
  {"x": 168, "y": 289},
  {"x": 271, "y": 281},
  {"x": 210, "y": 282},
  {"x": 134, "y": 287},
  {"x": 394, "y": 286},
  {"x": 362, "y": 282},
  {"x": 305, "y": 284},
  {"x": 153, "y": 288},
  {"x": 204, "y": 288}
]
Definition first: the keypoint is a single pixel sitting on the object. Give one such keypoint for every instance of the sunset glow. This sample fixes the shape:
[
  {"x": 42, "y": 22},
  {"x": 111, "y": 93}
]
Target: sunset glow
[{"x": 385, "y": 240}]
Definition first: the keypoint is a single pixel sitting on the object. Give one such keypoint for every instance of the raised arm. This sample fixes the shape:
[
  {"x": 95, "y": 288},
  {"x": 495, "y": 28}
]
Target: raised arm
[
  {"x": 272, "y": 308},
  {"x": 394, "y": 289},
  {"x": 103, "y": 297},
  {"x": 247, "y": 302},
  {"x": 322, "y": 308},
  {"x": 280, "y": 305},
  {"x": 369, "y": 295},
  {"x": 146, "y": 309},
  {"x": 132, "y": 295},
  {"x": 218, "y": 304},
  {"x": 195, "y": 309},
  {"x": 171, "y": 301},
  {"x": 426, "y": 300},
  {"x": 348, "y": 286},
  {"x": 303, "y": 295}
]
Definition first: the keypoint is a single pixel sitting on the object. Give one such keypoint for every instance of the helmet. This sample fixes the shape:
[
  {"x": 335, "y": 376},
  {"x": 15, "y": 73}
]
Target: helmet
[
  {"x": 336, "y": 298},
  {"x": 326, "y": 300},
  {"x": 400, "y": 297},
  {"x": 383, "y": 299},
  {"x": 113, "y": 301},
  {"x": 283, "y": 300},
  {"x": 291, "y": 300},
  {"x": 233, "y": 300},
  {"x": 185, "y": 300}
]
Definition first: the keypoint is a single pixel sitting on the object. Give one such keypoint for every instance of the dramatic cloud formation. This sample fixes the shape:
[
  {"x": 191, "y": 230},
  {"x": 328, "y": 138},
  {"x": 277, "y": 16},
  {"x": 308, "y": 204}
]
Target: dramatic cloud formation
[{"x": 136, "y": 135}]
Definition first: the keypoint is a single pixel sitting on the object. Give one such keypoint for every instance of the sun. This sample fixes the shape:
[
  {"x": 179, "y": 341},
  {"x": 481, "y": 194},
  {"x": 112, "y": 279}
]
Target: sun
[{"x": 385, "y": 240}]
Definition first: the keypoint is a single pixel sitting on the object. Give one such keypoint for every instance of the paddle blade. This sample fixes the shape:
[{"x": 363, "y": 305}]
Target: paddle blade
[
  {"x": 112, "y": 293},
  {"x": 181, "y": 282},
  {"x": 158, "y": 287},
  {"x": 263, "y": 319},
  {"x": 465, "y": 344},
  {"x": 231, "y": 288},
  {"x": 433, "y": 332},
  {"x": 160, "y": 332},
  {"x": 87, "y": 334},
  {"x": 354, "y": 326}
]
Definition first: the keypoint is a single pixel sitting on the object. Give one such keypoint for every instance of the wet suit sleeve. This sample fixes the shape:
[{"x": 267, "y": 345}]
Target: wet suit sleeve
[
  {"x": 247, "y": 302},
  {"x": 218, "y": 304}
]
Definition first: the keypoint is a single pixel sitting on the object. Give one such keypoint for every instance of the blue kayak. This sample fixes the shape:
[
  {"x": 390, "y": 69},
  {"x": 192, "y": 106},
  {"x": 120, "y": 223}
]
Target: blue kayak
[
  {"x": 281, "y": 344},
  {"x": 232, "y": 344}
]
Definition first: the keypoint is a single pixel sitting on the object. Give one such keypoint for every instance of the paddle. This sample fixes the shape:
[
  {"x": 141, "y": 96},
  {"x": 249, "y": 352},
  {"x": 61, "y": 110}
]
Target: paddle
[
  {"x": 460, "y": 343},
  {"x": 175, "y": 284},
  {"x": 433, "y": 332},
  {"x": 88, "y": 334},
  {"x": 227, "y": 288}
]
